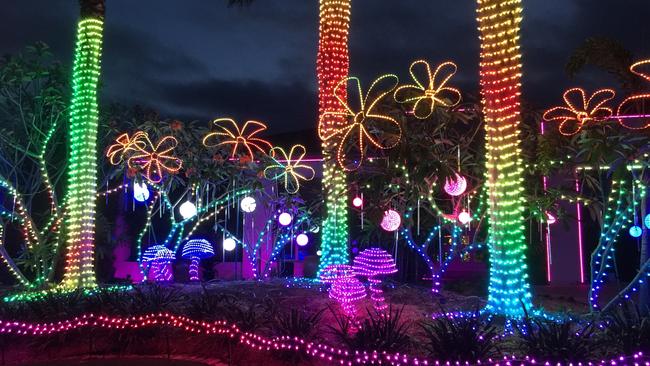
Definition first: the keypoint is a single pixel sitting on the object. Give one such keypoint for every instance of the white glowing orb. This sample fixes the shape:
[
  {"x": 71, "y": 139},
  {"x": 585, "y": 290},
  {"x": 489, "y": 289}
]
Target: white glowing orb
[
  {"x": 285, "y": 219},
  {"x": 302, "y": 240},
  {"x": 248, "y": 204},
  {"x": 464, "y": 217},
  {"x": 635, "y": 231},
  {"x": 319, "y": 253},
  {"x": 456, "y": 187},
  {"x": 229, "y": 244},
  {"x": 187, "y": 209},
  {"x": 550, "y": 218},
  {"x": 357, "y": 202},
  {"x": 140, "y": 192},
  {"x": 391, "y": 220}
]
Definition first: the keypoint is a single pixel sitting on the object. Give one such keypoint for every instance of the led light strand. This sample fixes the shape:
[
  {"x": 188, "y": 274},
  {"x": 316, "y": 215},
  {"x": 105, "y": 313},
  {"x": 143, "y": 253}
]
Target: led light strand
[
  {"x": 156, "y": 159},
  {"x": 374, "y": 263},
  {"x": 229, "y": 133},
  {"x": 634, "y": 100},
  {"x": 195, "y": 250},
  {"x": 575, "y": 116},
  {"x": 289, "y": 167}
]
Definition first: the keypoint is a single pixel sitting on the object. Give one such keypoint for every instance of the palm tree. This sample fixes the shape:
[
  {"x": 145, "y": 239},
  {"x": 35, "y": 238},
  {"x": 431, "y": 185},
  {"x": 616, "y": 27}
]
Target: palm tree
[
  {"x": 500, "y": 79},
  {"x": 332, "y": 65}
]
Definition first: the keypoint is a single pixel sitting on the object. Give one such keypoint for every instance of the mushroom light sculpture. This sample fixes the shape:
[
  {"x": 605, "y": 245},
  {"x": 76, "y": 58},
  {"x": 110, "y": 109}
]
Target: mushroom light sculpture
[
  {"x": 346, "y": 289},
  {"x": 195, "y": 250},
  {"x": 159, "y": 259},
  {"x": 374, "y": 263}
]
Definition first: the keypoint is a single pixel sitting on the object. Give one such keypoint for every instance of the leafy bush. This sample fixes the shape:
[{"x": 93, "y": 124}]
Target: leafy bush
[
  {"x": 296, "y": 323},
  {"x": 377, "y": 332},
  {"x": 468, "y": 338},
  {"x": 627, "y": 329},
  {"x": 154, "y": 298}
]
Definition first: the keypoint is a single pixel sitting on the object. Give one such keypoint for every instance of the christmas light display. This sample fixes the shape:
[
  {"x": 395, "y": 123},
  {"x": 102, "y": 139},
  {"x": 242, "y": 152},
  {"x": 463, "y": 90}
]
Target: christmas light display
[
  {"x": 579, "y": 110},
  {"x": 248, "y": 204},
  {"x": 229, "y": 133},
  {"x": 455, "y": 187},
  {"x": 195, "y": 250},
  {"x": 82, "y": 158},
  {"x": 391, "y": 220},
  {"x": 426, "y": 96},
  {"x": 159, "y": 259},
  {"x": 464, "y": 217},
  {"x": 124, "y": 145},
  {"x": 362, "y": 123},
  {"x": 289, "y": 167},
  {"x": 374, "y": 263},
  {"x": 636, "y": 102},
  {"x": 156, "y": 159},
  {"x": 332, "y": 64},
  {"x": 229, "y": 244},
  {"x": 302, "y": 239},
  {"x": 285, "y": 219},
  {"x": 500, "y": 78},
  {"x": 550, "y": 218},
  {"x": 646, "y": 221}
]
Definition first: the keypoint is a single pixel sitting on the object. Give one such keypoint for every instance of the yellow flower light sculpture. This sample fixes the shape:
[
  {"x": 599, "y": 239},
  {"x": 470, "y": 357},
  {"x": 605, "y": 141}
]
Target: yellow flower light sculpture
[
  {"x": 362, "y": 127},
  {"x": 636, "y": 103},
  {"x": 430, "y": 94},
  {"x": 575, "y": 115},
  {"x": 229, "y": 133},
  {"x": 123, "y": 145},
  {"x": 156, "y": 159},
  {"x": 289, "y": 167}
]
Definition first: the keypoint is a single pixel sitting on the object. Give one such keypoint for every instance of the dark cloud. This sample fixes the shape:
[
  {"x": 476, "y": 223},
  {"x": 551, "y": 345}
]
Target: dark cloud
[{"x": 200, "y": 59}]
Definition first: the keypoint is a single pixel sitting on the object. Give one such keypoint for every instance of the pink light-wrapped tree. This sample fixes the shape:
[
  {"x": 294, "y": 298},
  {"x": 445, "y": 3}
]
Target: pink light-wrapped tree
[{"x": 374, "y": 263}]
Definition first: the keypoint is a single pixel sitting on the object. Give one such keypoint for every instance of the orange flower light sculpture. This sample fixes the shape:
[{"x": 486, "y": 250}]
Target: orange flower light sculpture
[
  {"x": 427, "y": 95},
  {"x": 156, "y": 159},
  {"x": 580, "y": 110},
  {"x": 290, "y": 167},
  {"x": 229, "y": 133},
  {"x": 123, "y": 144},
  {"x": 638, "y": 104},
  {"x": 364, "y": 125}
]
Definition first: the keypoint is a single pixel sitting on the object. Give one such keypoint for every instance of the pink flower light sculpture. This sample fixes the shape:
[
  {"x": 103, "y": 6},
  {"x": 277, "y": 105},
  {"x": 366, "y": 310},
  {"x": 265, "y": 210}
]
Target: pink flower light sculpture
[
  {"x": 346, "y": 289},
  {"x": 374, "y": 263}
]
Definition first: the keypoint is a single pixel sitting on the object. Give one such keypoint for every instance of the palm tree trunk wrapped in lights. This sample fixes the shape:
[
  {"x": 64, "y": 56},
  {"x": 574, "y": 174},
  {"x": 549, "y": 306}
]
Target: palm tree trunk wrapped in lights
[
  {"x": 332, "y": 67},
  {"x": 82, "y": 142},
  {"x": 500, "y": 73}
]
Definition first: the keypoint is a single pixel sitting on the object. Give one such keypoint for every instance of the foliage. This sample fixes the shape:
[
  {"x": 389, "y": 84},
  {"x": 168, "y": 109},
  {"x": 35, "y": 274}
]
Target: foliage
[
  {"x": 460, "y": 338},
  {"x": 298, "y": 323},
  {"x": 627, "y": 329}
]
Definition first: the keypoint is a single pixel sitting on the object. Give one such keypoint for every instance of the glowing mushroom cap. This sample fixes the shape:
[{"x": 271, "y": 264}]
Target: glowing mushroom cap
[
  {"x": 334, "y": 272},
  {"x": 158, "y": 254},
  {"x": 374, "y": 261},
  {"x": 200, "y": 248},
  {"x": 347, "y": 290}
]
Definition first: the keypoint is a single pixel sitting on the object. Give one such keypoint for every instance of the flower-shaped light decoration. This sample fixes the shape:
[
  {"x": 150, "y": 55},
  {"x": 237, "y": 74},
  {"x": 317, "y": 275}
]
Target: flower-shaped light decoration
[
  {"x": 455, "y": 187},
  {"x": 364, "y": 125},
  {"x": 123, "y": 145},
  {"x": 638, "y": 104},
  {"x": 577, "y": 114},
  {"x": 156, "y": 159},
  {"x": 290, "y": 167},
  {"x": 229, "y": 133},
  {"x": 432, "y": 93}
]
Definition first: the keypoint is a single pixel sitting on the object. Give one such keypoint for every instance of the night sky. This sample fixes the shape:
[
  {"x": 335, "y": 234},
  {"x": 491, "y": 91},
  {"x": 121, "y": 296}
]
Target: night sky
[{"x": 198, "y": 59}]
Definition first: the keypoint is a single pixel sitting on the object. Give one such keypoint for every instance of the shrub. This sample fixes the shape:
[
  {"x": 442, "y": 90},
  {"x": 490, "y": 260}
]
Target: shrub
[
  {"x": 297, "y": 323},
  {"x": 627, "y": 329}
]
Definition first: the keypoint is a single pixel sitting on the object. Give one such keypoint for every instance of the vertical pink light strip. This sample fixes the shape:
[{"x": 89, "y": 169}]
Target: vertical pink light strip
[
  {"x": 579, "y": 215},
  {"x": 548, "y": 227}
]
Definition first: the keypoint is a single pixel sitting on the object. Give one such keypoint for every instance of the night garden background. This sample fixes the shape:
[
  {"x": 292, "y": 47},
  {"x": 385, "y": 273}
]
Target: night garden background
[{"x": 331, "y": 182}]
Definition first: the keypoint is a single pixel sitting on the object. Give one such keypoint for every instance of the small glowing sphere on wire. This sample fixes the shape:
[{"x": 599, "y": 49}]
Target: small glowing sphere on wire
[
  {"x": 550, "y": 218},
  {"x": 248, "y": 204},
  {"x": 391, "y": 220},
  {"x": 646, "y": 221},
  {"x": 357, "y": 202},
  {"x": 140, "y": 192},
  {"x": 302, "y": 240},
  {"x": 455, "y": 187},
  {"x": 285, "y": 219},
  {"x": 229, "y": 244},
  {"x": 187, "y": 210},
  {"x": 464, "y": 217},
  {"x": 319, "y": 253},
  {"x": 636, "y": 231}
]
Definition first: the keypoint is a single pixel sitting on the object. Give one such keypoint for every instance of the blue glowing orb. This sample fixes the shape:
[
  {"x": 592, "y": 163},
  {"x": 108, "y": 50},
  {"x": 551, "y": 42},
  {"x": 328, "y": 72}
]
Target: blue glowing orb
[{"x": 635, "y": 231}]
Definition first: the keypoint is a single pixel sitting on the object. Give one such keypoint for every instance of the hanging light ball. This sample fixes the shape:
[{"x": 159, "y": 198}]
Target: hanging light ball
[
  {"x": 248, "y": 204},
  {"x": 229, "y": 244},
  {"x": 140, "y": 192},
  {"x": 646, "y": 221},
  {"x": 319, "y": 253},
  {"x": 302, "y": 239},
  {"x": 456, "y": 187},
  {"x": 391, "y": 220},
  {"x": 464, "y": 217},
  {"x": 187, "y": 210},
  {"x": 285, "y": 219},
  {"x": 636, "y": 231},
  {"x": 357, "y": 202},
  {"x": 550, "y": 218}
]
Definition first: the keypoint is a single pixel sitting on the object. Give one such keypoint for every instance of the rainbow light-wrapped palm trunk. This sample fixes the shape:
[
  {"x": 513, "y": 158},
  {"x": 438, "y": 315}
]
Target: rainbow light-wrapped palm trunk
[
  {"x": 500, "y": 73},
  {"x": 332, "y": 67},
  {"x": 82, "y": 159}
]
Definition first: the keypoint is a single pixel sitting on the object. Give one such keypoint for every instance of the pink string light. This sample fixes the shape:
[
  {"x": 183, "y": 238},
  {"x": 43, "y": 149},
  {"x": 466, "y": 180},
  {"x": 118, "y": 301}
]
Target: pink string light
[
  {"x": 346, "y": 289},
  {"x": 374, "y": 263}
]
